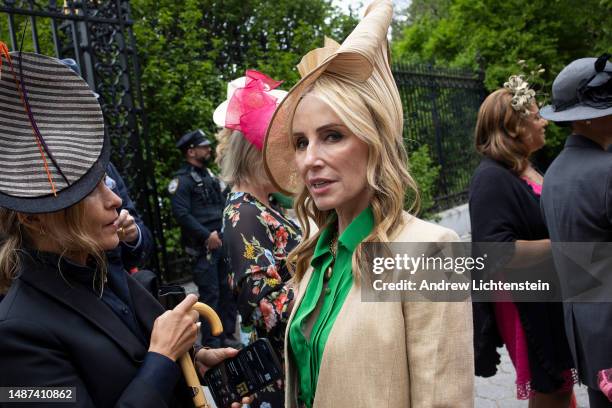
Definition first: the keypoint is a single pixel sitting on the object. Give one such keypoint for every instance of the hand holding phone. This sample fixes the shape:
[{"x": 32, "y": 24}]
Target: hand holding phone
[{"x": 252, "y": 369}]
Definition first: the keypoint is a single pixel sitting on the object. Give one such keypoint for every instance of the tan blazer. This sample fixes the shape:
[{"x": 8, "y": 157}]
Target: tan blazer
[{"x": 394, "y": 354}]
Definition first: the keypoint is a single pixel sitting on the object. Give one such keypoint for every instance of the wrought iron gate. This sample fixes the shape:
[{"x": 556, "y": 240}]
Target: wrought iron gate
[
  {"x": 98, "y": 35},
  {"x": 440, "y": 110}
]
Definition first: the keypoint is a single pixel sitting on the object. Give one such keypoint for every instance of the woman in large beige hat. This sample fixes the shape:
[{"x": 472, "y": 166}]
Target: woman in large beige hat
[{"x": 335, "y": 143}]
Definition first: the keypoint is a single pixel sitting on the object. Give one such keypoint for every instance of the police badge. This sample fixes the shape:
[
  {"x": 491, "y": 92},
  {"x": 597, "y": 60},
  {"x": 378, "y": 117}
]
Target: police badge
[{"x": 173, "y": 185}]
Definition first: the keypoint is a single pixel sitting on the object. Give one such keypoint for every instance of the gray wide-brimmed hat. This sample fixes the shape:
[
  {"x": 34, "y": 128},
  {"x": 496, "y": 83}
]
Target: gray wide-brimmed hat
[
  {"x": 581, "y": 91},
  {"x": 53, "y": 149}
]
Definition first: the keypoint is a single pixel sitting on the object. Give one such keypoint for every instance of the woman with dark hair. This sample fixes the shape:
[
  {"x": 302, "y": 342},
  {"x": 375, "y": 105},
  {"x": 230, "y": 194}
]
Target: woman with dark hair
[
  {"x": 69, "y": 318},
  {"x": 505, "y": 207}
]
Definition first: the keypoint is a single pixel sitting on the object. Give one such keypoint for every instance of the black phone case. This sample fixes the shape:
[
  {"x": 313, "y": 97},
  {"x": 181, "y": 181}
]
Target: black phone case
[{"x": 255, "y": 367}]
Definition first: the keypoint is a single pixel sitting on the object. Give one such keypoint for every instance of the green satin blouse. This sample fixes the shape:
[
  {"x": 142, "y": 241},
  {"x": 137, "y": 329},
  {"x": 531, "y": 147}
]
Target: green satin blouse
[{"x": 308, "y": 352}]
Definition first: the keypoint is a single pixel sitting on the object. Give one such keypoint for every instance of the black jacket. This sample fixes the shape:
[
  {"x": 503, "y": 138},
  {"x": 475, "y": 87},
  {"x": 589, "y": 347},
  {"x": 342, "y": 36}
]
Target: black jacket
[
  {"x": 504, "y": 208},
  {"x": 59, "y": 334}
]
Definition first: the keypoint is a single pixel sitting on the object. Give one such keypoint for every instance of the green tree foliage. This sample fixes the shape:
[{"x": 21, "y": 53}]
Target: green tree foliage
[
  {"x": 435, "y": 9},
  {"x": 494, "y": 35},
  {"x": 425, "y": 172},
  {"x": 23, "y": 28},
  {"x": 190, "y": 49}
]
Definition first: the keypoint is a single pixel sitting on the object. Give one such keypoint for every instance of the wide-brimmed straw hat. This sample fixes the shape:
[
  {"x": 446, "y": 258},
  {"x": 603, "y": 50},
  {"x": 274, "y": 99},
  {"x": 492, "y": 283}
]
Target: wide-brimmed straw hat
[
  {"x": 581, "y": 91},
  {"x": 53, "y": 150},
  {"x": 363, "y": 56}
]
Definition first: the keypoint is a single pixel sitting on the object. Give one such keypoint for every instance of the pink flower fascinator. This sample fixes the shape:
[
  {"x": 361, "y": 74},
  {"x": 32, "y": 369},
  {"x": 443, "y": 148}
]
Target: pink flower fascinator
[{"x": 251, "y": 102}]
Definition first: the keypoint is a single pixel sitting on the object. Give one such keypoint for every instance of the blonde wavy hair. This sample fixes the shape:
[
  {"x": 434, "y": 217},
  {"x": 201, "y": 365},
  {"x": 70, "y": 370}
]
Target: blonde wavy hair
[
  {"x": 364, "y": 109},
  {"x": 500, "y": 131},
  {"x": 239, "y": 160},
  {"x": 67, "y": 227}
]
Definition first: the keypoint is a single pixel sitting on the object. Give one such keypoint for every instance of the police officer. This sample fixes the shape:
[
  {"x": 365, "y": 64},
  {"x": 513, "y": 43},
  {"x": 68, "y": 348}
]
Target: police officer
[{"x": 197, "y": 204}]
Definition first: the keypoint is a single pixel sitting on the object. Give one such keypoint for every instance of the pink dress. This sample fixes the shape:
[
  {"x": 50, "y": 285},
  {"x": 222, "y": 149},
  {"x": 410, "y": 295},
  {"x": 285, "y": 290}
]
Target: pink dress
[{"x": 513, "y": 335}]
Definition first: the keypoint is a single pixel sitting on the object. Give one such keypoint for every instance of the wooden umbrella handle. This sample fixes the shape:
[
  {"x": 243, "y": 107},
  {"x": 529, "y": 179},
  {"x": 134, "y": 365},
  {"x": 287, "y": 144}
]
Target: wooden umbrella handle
[{"x": 187, "y": 366}]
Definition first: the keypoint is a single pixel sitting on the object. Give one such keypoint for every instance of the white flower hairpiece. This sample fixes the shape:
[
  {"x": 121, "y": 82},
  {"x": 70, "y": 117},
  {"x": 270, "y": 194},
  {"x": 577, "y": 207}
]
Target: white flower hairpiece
[{"x": 522, "y": 96}]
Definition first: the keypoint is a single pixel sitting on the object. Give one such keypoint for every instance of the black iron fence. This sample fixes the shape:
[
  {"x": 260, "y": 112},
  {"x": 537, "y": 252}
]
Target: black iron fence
[
  {"x": 440, "y": 109},
  {"x": 98, "y": 35}
]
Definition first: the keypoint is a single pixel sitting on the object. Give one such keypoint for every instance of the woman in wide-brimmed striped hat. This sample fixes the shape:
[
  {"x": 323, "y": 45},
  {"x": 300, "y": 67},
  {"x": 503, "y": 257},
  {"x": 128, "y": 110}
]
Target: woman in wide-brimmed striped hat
[{"x": 67, "y": 319}]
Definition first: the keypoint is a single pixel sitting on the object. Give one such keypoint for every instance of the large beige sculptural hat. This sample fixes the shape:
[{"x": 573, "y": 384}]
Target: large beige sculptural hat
[{"x": 363, "y": 56}]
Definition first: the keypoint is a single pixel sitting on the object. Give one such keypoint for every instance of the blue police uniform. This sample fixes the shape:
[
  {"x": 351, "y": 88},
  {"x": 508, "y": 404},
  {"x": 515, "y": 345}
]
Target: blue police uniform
[{"x": 197, "y": 204}]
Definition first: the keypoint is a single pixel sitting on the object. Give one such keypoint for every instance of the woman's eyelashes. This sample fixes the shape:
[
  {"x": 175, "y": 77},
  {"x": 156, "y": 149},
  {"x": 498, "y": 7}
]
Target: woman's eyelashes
[
  {"x": 301, "y": 142},
  {"x": 333, "y": 137}
]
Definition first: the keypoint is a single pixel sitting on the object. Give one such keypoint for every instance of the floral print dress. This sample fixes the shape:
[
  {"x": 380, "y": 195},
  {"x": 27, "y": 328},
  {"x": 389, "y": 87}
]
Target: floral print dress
[{"x": 257, "y": 240}]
